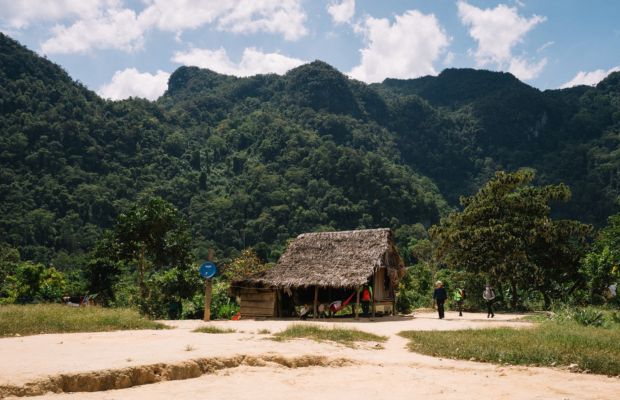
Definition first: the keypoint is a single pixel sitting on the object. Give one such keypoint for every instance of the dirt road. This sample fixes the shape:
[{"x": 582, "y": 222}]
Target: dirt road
[{"x": 245, "y": 364}]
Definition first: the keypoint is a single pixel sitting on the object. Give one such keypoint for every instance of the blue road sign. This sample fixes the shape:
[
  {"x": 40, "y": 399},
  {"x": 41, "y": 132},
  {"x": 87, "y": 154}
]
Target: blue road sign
[{"x": 208, "y": 270}]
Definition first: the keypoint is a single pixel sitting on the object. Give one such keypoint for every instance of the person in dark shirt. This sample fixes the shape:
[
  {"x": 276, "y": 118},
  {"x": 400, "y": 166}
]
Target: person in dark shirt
[
  {"x": 439, "y": 297},
  {"x": 489, "y": 297}
]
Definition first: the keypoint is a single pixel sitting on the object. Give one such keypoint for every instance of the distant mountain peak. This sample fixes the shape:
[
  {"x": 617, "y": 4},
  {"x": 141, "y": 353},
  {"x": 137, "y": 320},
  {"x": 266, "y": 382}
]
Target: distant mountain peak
[
  {"x": 457, "y": 86},
  {"x": 611, "y": 83}
]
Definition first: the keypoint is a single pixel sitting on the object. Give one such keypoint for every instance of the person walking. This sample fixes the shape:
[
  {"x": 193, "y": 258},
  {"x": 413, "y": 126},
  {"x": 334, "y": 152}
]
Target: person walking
[
  {"x": 459, "y": 297},
  {"x": 439, "y": 297},
  {"x": 489, "y": 296}
]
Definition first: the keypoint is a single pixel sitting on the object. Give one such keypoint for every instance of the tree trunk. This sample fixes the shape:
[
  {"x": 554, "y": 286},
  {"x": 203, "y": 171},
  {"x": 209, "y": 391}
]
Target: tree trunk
[
  {"x": 514, "y": 296},
  {"x": 547, "y": 300},
  {"x": 141, "y": 271}
]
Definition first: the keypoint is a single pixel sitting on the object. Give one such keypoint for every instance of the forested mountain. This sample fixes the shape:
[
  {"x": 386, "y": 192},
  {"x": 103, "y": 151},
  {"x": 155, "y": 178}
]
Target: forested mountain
[{"x": 255, "y": 161}]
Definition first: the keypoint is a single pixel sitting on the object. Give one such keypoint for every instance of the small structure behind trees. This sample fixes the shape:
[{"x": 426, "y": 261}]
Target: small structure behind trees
[{"x": 319, "y": 268}]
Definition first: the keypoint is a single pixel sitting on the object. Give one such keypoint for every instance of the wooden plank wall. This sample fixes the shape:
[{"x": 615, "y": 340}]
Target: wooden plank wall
[
  {"x": 257, "y": 303},
  {"x": 380, "y": 277}
]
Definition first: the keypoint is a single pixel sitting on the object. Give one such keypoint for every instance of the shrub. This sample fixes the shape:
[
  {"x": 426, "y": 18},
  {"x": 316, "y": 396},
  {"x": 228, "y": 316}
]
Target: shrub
[
  {"x": 28, "y": 282},
  {"x": 589, "y": 317},
  {"x": 614, "y": 317},
  {"x": 222, "y": 305},
  {"x": 415, "y": 289}
]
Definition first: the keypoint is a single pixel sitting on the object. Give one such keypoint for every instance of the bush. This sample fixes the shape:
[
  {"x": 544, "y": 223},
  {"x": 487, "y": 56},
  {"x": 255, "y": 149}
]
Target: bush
[
  {"x": 586, "y": 316},
  {"x": 222, "y": 305},
  {"x": 415, "y": 289},
  {"x": 28, "y": 282},
  {"x": 589, "y": 317}
]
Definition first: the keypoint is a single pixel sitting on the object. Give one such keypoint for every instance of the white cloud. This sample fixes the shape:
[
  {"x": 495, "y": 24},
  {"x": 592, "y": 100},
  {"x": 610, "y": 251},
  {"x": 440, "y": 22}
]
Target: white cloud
[
  {"x": 108, "y": 24},
  {"x": 545, "y": 46},
  {"x": 284, "y": 17},
  {"x": 405, "y": 49},
  {"x": 448, "y": 59},
  {"x": 274, "y": 16},
  {"x": 179, "y": 15},
  {"x": 20, "y": 14},
  {"x": 589, "y": 78},
  {"x": 525, "y": 70},
  {"x": 498, "y": 30},
  {"x": 116, "y": 29},
  {"x": 132, "y": 83},
  {"x": 342, "y": 12},
  {"x": 252, "y": 62}
]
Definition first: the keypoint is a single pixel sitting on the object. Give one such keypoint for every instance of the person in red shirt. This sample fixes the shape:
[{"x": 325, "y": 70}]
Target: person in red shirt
[{"x": 366, "y": 298}]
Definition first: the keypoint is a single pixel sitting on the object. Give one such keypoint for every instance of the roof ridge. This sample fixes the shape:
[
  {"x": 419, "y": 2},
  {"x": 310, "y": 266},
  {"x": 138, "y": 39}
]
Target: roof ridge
[{"x": 345, "y": 232}]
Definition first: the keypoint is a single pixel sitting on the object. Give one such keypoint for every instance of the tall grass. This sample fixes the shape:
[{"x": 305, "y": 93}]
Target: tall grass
[
  {"x": 55, "y": 318},
  {"x": 551, "y": 343},
  {"x": 317, "y": 333}
]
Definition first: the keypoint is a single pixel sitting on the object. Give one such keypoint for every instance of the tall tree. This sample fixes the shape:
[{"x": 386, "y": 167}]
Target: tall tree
[
  {"x": 505, "y": 232},
  {"x": 602, "y": 263},
  {"x": 152, "y": 237}
]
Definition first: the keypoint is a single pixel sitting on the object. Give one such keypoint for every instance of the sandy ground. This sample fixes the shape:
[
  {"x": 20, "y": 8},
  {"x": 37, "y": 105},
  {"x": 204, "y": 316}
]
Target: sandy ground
[{"x": 387, "y": 370}]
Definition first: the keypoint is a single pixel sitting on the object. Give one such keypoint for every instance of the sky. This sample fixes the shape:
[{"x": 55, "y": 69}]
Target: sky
[{"x": 123, "y": 48}]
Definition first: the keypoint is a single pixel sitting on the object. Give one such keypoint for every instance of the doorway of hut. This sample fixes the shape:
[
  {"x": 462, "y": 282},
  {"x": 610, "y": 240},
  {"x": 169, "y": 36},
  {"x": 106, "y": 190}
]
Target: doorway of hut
[{"x": 314, "y": 302}]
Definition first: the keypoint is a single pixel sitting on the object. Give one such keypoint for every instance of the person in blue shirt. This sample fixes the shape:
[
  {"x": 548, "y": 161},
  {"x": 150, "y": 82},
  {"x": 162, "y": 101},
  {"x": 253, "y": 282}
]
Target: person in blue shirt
[{"x": 439, "y": 297}]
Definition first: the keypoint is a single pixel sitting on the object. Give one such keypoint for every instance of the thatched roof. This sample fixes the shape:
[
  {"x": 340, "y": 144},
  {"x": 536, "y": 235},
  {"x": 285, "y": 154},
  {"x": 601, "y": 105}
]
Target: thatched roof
[{"x": 335, "y": 259}]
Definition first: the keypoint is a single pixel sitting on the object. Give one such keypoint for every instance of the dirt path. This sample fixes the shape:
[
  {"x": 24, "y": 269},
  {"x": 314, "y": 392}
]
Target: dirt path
[{"x": 244, "y": 364}]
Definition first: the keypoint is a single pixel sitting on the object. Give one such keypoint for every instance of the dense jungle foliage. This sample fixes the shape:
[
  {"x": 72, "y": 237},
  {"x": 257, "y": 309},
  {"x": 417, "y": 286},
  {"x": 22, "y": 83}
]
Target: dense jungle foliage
[{"x": 253, "y": 162}]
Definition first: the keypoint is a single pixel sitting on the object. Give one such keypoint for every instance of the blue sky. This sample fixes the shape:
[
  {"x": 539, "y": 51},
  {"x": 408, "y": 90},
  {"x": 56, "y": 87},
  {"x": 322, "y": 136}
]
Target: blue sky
[{"x": 123, "y": 48}]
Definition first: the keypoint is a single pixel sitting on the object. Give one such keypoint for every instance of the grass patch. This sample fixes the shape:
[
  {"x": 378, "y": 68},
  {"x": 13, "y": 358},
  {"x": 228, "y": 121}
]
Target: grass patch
[
  {"x": 548, "y": 344},
  {"x": 320, "y": 334},
  {"x": 263, "y": 331},
  {"x": 537, "y": 317},
  {"x": 55, "y": 318},
  {"x": 213, "y": 329}
]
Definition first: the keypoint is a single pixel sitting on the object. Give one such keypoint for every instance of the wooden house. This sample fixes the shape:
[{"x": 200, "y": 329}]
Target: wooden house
[{"x": 319, "y": 268}]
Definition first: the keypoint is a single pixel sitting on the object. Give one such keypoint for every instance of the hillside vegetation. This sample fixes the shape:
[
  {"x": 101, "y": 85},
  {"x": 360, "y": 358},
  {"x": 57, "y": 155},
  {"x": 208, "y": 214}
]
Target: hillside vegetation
[{"x": 253, "y": 162}]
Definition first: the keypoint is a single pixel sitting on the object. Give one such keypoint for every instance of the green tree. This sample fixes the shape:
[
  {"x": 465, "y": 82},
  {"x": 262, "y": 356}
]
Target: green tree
[
  {"x": 28, "y": 282},
  {"x": 244, "y": 266},
  {"x": 602, "y": 263},
  {"x": 103, "y": 269},
  {"x": 506, "y": 233},
  {"x": 152, "y": 238}
]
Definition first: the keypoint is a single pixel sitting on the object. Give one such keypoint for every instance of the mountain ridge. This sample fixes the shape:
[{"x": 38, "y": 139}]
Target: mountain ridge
[{"x": 254, "y": 161}]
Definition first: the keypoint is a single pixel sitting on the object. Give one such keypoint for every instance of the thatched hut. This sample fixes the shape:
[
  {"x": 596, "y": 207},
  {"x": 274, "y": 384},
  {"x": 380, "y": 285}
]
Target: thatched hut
[{"x": 318, "y": 268}]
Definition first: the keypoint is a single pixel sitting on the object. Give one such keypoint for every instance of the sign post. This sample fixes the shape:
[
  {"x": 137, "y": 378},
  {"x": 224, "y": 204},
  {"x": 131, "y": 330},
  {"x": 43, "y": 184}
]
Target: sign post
[
  {"x": 208, "y": 290},
  {"x": 208, "y": 271}
]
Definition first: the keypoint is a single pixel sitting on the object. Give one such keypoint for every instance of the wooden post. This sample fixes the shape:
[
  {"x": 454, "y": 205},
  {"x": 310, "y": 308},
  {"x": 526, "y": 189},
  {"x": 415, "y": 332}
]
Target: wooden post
[
  {"x": 316, "y": 301},
  {"x": 374, "y": 290},
  {"x": 280, "y": 306},
  {"x": 357, "y": 304},
  {"x": 393, "y": 300},
  {"x": 208, "y": 291}
]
